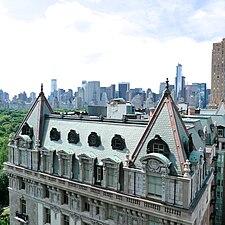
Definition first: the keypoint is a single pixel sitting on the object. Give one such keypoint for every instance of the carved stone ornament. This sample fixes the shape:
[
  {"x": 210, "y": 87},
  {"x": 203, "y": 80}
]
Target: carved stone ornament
[
  {"x": 94, "y": 139},
  {"x": 118, "y": 142},
  {"x": 153, "y": 165},
  {"x": 54, "y": 134},
  {"x": 73, "y": 137}
]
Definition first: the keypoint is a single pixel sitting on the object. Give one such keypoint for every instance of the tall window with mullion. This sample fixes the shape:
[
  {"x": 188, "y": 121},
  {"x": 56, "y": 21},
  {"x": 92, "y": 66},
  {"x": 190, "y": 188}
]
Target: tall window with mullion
[
  {"x": 154, "y": 221},
  {"x": 110, "y": 212},
  {"x": 23, "y": 206},
  {"x": 65, "y": 165},
  {"x": 47, "y": 215},
  {"x": 86, "y": 171},
  {"x": 110, "y": 177},
  {"x": 23, "y": 157},
  {"x": 46, "y": 163},
  {"x": 154, "y": 185},
  {"x": 65, "y": 219}
]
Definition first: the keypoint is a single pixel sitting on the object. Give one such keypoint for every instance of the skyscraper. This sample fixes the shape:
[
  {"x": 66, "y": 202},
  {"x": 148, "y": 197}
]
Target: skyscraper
[
  {"x": 92, "y": 92},
  {"x": 53, "y": 85},
  {"x": 123, "y": 88},
  {"x": 217, "y": 73},
  {"x": 179, "y": 84}
]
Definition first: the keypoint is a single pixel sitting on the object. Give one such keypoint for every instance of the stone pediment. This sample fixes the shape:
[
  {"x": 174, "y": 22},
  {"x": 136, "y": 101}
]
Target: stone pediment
[
  {"x": 23, "y": 141},
  {"x": 88, "y": 155},
  {"x": 154, "y": 162},
  {"x": 112, "y": 160}
]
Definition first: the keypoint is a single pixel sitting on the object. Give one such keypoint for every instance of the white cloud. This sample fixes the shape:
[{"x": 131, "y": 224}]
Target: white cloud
[{"x": 73, "y": 42}]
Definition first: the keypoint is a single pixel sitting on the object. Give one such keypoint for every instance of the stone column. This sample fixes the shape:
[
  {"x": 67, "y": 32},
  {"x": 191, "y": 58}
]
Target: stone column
[
  {"x": 51, "y": 162},
  {"x": 129, "y": 217},
  {"x": 16, "y": 153},
  {"x": 81, "y": 170},
  {"x": 163, "y": 175},
  {"x": 126, "y": 181},
  {"x": 116, "y": 177},
  {"x": 91, "y": 171},
  {"x": 78, "y": 203},
  {"x": 104, "y": 176},
  {"x": 70, "y": 166},
  {"x": 60, "y": 165}
]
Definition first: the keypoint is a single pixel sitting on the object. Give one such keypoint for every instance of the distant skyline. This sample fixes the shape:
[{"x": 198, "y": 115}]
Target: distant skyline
[{"x": 136, "y": 41}]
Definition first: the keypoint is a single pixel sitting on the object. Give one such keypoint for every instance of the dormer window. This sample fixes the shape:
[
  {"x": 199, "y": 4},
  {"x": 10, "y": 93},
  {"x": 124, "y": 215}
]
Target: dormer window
[
  {"x": 73, "y": 137},
  {"x": 220, "y": 132},
  {"x": 87, "y": 161},
  {"x": 86, "y": 171},
  {"x": 158, "y": 148},
  {"x": 54, "y": 134},
  {"x": 117, "y": 142},
  {"x": 65, "y": 165},
  {"x": 94, "y": 139},
  {"x": 111, "y": 177},
  {"x": 46, "y": 162},
  {"x": 158, "y": 145},
  {"x": 27, "y": 130}
]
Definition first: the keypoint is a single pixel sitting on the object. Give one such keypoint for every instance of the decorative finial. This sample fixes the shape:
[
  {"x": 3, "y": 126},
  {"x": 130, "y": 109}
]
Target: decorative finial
[
  {"x": 167, "y": 91},
  {"x": 187, "y": 169},
  {"x": 167, "y": 84},
  {"x": 41, "y": 87}
]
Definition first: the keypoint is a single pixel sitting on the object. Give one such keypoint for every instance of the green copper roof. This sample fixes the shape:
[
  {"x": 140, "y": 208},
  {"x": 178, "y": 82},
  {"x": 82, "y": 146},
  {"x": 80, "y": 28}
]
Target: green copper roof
[
  {"x": 195, "y": 156},
  {"x": 161, "y": 157}
]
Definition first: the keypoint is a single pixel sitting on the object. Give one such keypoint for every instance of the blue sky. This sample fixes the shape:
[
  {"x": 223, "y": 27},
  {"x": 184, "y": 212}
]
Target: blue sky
[{"x": 139, "y": 41}]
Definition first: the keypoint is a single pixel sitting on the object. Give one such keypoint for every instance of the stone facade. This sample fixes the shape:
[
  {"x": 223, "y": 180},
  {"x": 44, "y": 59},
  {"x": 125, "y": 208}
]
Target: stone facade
[{"x": 147, "y": 175}]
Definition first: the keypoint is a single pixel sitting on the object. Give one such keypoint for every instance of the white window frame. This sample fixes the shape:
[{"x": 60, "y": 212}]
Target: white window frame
[
  {"x": 158, "y": 148},
  {"x": 65, "y": 167},
  {"x": 23, "y": 157},
  {"x": 99, "y": 174},
  {"x": 154, "y": 185},
  {"x": 220, "y": 132},
  {"x": 110, "y": 177},
  {"x": 86, "y": 171},
  {"x": 46, "y": 163}
]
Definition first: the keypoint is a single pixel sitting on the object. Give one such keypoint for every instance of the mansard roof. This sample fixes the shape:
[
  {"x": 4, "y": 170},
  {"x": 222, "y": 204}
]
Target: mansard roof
[
  {"x": 106, "y": 130},
  {"x": 43, "y": 120},
  {"x": 166, "y": 122},
  {"x": 197, "y": 141}
]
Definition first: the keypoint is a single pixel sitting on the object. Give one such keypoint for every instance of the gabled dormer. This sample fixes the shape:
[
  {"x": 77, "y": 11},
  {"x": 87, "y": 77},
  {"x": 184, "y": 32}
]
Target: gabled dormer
[
  {"x": 32, "y": 124},
  {"x": 31, "y": 128},
  {"x": 165, "y": 134}
]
